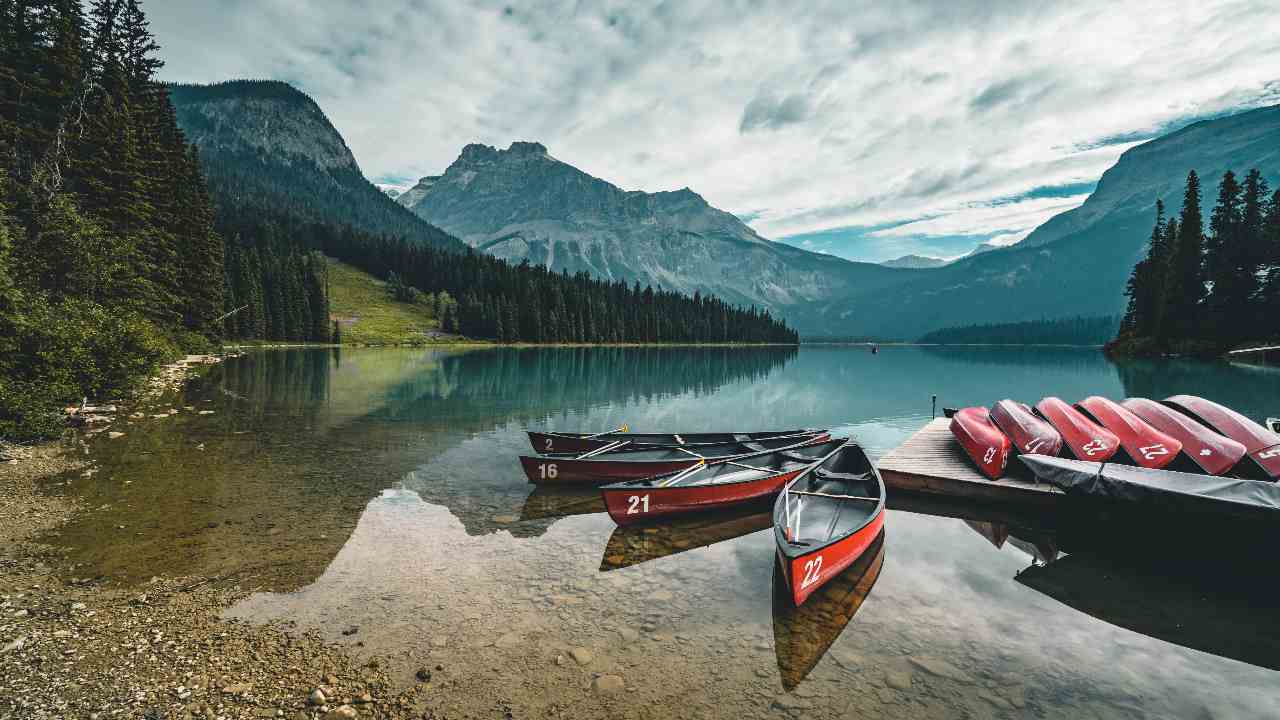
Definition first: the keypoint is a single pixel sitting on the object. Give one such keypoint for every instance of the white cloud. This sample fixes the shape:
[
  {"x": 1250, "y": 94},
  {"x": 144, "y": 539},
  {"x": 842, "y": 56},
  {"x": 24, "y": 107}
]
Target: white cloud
[{"x": 807, "y": 115}]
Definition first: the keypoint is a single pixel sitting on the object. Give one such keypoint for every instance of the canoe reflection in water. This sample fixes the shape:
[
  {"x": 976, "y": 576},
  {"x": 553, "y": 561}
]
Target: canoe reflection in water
[
  {"x": 802, "y": 635},
  {"x": 556, "y": 502},
  {"x": 1229, "y": 614},
  {"x": 632, "y": 545}
]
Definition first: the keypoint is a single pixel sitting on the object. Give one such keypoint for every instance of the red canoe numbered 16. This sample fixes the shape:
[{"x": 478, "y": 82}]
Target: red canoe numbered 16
[
  {"x": 1209, "y": 452},
  {"x": 1144, "y": 445},
  {"x": 1083, "y": 438},
  {"x": 981, "y": 440},
  {"x": 1029, "y": 433},
  {"x": 827, "y": 518},
  {"x": 1262, "y": 445},
  {"x": 706, "y": 487},
  {"x": 597, "y": 467}
]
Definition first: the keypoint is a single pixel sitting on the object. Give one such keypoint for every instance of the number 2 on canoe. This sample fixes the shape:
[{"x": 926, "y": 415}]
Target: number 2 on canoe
[
  {"x": 637, "y": 504},
  {"x": 548, "y": 470},
  {"x": 548, "y": 444},
  {"x": 811, "y": 570}
]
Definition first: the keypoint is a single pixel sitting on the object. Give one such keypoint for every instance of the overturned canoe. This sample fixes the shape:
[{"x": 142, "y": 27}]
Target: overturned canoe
[
  {"x": 1162, "y": 491},
  {"x": 1202, "y": 449},
  {"x": 553, "y": 443},
  {"x": 827, "y": 518},
  {"x": 1029, "y": 433},
  {"x": 1140, "y": 443},
  {"x": 600, "y": 468},
  {"x": 1082, "y": 438},
  {"x": 981, "y": 440},
  {"x": 1261, "y": 445},
  {"x": 705, "y": 487}
]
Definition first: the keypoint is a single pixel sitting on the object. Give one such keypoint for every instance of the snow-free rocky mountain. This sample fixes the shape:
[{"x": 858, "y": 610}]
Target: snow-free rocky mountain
[
  {"x": 915, "y": 262},
  {"x": 523, "y": 204},
  {"x": 267, "y": 145},
  {"x": 270, "y": 145},
  {"x": 1076, "y": 263}
]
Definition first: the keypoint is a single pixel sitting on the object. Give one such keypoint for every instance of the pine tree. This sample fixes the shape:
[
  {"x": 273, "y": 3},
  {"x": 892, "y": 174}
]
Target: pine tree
[
  {"x": 1184, "y": 288},
  {"x": 1224, "y": 246}
]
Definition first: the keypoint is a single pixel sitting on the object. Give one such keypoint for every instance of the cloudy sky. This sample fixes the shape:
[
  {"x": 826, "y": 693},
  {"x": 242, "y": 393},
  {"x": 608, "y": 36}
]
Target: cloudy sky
[{"x": 865, "y": 130}]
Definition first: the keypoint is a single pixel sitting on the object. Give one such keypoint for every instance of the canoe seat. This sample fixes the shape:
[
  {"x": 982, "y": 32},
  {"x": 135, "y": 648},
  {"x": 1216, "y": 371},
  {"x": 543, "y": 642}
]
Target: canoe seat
[
  {"x": 739, "y": 437},
  {"x": 754, "y": 446},
  {"x": 797, "y": 457},
  {"x": 828, "y": 475}
]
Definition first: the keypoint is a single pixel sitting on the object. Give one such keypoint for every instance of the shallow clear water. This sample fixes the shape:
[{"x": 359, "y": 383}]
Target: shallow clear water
[{"x": 377, "y": 490}]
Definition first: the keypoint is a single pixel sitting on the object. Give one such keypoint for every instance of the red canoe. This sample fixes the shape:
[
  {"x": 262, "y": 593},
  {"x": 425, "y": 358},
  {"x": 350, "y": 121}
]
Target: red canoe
[
  {"x": 638, "y": 464},
  {"x": 1144, "y": 445},
  {"x": 1083, "y": 438},
  {"x": 981, "y": 440},
  {"x": 550, "y": 443},
  {"x": 705, "y": 487},
  {"x": 1262, "y": 445},
  {"x": 1029, "y": 433},
  {"x": 827, "y": 518},
  {"x": 1212, "y": 454}
]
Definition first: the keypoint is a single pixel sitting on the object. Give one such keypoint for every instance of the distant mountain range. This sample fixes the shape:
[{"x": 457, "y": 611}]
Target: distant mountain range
[
  {"x": 915, "y": 262},
  {"x": 271, "y": 143},
  {"x": 1076, "y": 263},
  {"x": 522, "y": 203}
]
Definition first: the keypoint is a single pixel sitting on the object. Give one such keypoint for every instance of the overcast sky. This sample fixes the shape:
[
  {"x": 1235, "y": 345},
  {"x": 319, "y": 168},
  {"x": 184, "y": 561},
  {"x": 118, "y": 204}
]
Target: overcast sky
[{"x": 865, "y": 130}]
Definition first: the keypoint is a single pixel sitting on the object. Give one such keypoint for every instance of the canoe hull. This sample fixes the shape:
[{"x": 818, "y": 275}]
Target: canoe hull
[
  {"x": 641, "y": 504},
  {"x": 1262, "y": 445},
  {"x": 555, "y": 443},
  {"x": 806, "y": 573},
  {"x": 568, "y": 471},
  {"x": 1208, "y": 451},
  {"x": 1082, "y": 438},
  {"x": 981, "y": 440},
  {"x": 1029, "y": 433},
  {"x": 1144, "y": 445}
]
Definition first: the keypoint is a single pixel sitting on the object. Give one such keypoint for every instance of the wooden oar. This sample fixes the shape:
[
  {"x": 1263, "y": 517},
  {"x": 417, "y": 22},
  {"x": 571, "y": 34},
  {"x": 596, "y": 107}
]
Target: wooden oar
[
  {"x": 751, "y": 467},
  {"x": 830, "y": 495},
  {"x": 683, "y": 473},
  {"x": 616, "y": 444},
  {"x": 622, "y": 429}
]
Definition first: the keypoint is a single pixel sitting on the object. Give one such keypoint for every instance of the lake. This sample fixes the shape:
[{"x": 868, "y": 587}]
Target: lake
[{"x": 374, "y": 495}]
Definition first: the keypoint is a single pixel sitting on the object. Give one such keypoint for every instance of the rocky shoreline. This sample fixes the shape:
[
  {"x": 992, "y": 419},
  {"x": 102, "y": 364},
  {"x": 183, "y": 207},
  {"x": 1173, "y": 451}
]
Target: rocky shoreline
[{"x": 79, "y": 647}]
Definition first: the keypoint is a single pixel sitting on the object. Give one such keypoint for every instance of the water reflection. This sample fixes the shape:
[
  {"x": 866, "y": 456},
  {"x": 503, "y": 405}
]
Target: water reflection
[
  {"x": 379, "y": 489},
  {"x": 637, "y": 544},
  {"x": 802, "y": 635},
  {"x": 1231, "y": 615}
]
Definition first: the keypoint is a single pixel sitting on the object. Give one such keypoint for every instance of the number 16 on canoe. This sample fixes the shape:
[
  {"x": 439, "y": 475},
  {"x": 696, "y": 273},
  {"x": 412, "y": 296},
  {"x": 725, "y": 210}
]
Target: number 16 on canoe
[{"x": 572, "y": 471}]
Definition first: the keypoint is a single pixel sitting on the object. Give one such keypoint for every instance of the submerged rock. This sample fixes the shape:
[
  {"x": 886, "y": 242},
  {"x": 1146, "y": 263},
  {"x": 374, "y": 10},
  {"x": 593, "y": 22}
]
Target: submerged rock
[{"x": 608, "y": 684}]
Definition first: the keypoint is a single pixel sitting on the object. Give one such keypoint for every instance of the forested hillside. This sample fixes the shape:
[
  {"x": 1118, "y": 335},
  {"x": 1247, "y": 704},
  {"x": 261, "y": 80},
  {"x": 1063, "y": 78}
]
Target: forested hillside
[
  {"x": 1064, "y": 331},
  {"x": 270, "y": 153},
  {"x": 1202, "y": 293},
  {"x": 108, "y": 259}
]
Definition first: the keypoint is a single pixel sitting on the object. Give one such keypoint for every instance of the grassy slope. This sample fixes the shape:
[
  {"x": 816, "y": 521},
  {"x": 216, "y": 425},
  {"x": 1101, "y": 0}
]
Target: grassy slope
[{"x": 369, "y": 316}]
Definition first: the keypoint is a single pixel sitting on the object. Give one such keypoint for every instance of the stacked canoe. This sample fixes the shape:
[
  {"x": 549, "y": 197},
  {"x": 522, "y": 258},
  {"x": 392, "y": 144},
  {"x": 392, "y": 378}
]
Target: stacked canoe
[
  {"x": 1185, "y": 452},
  {"x": 829, "y": 500}
]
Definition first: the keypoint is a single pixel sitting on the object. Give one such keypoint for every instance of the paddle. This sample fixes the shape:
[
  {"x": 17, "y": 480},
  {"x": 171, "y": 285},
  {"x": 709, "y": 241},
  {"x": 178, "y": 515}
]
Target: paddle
[
  {"x": 616, "y": 444},
  {"x": 683, "y": 473},
  {"x": 622, "y": 429},
  {"x": 831, "y": 495}
]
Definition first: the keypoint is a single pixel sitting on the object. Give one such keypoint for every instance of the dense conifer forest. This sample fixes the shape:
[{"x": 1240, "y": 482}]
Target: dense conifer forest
[
  {"x": 1204, "y": 293},
  {"x": 1062, "y": 331}
]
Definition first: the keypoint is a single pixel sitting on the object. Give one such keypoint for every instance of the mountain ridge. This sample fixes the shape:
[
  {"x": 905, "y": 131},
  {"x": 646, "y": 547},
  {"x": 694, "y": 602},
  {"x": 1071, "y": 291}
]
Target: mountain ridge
[{"x": 522, "y": 203}]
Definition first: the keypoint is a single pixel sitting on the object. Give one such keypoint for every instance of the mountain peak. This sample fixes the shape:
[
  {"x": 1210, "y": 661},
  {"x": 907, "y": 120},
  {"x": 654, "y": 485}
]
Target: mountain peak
[{"x": 478, "y": 153}]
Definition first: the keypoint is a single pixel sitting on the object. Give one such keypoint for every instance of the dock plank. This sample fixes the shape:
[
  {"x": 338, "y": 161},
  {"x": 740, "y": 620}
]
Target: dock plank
[{"x": 931, "y": 462}]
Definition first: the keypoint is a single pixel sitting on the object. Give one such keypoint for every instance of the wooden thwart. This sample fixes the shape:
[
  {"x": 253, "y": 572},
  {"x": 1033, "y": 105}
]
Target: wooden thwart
[
  {"x": 931, "y": 462},
  {"x": 833, "y": 495}
]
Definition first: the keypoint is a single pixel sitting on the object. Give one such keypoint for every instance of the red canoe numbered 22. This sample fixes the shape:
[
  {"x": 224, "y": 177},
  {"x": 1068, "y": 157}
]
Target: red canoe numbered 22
[{"x": 827, "y": 518}]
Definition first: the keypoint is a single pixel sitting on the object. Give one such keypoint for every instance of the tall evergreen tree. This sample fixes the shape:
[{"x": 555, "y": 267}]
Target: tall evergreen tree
[{"x": 1184, "y": 285}]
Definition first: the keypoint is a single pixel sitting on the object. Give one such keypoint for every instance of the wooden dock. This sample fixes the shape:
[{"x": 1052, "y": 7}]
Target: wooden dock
[{"x": 931, "y": 462}]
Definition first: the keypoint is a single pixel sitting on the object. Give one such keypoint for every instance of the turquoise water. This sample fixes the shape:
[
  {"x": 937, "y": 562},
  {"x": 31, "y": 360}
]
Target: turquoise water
[{"x": 378, "y": 489}]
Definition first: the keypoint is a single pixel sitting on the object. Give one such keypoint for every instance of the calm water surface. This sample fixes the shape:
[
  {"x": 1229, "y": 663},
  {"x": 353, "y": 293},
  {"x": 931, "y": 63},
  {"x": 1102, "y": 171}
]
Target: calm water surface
[{"x": 377, "y": 490}]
